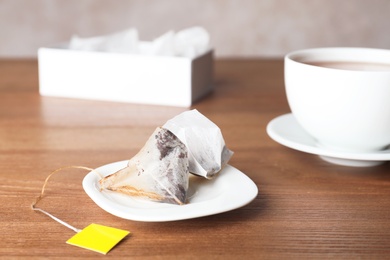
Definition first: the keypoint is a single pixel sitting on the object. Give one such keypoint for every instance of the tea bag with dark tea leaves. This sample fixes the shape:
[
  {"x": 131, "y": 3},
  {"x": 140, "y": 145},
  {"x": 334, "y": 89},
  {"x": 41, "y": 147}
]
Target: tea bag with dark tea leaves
[{"x": 159, "y": 171}]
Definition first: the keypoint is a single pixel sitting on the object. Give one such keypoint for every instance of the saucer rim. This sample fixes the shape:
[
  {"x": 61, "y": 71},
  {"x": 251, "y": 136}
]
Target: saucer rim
[{"x": 272, "y": 131}]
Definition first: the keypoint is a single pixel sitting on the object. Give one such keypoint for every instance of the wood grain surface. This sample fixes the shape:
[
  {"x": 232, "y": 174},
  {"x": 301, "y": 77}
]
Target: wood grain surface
[{"x": 306, "y": 207}]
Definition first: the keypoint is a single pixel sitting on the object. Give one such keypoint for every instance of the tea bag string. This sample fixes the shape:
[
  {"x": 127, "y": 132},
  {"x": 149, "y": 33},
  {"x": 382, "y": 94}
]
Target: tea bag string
[{"x": 40, "y": 197}]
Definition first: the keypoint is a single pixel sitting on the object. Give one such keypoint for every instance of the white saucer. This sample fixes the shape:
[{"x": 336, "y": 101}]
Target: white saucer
[
  {"x": 286, "y": 131},
  {"x": 231, "y": 189}
]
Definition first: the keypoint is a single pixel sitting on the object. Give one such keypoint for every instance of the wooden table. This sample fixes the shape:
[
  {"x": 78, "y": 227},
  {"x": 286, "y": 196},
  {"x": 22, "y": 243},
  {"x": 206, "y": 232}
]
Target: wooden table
[{"x": 306, "y": 207}]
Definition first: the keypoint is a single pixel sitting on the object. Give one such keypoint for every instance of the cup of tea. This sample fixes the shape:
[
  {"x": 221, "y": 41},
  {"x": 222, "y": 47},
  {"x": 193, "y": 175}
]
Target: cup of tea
[{"x": 341, "y": 96}]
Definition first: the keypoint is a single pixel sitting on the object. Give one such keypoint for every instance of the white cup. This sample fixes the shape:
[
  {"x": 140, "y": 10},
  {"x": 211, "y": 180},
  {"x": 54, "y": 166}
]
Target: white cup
[{"x": 341, "y": 96}]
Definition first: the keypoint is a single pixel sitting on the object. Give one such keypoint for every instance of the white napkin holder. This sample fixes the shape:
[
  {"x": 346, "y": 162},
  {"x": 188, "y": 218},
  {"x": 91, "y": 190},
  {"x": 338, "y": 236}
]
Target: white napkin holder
[{"x": 122, "y": 77}]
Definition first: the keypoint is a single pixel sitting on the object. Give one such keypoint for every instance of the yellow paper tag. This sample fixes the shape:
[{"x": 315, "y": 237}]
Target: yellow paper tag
[{"x": 98, "y": 238}]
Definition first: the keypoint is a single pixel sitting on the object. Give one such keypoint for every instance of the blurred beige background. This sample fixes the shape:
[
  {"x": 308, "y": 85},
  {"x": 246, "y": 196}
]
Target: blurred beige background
[{"x": 238, "y": 28}]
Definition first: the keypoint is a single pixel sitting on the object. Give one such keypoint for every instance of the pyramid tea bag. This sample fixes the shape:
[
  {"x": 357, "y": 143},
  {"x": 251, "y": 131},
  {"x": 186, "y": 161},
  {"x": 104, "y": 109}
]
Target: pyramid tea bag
[
  {"x": 189, "y": 142},
  {"x": 207, "y": 152},
  {"x": 159, "y": 171}
]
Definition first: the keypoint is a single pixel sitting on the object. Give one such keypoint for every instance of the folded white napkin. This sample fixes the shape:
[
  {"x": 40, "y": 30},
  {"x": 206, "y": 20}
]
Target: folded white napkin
[{"x": 189, "y": 42}]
